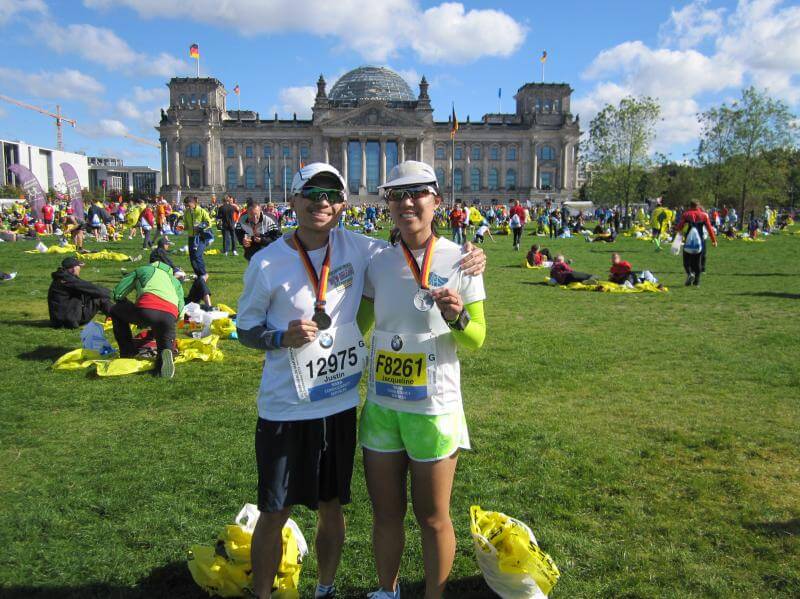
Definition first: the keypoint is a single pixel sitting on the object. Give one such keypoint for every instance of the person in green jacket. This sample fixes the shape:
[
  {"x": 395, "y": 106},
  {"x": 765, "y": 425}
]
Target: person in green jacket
[
  {"x": 158, "y": 304},
  {"x": 198, "y": 226}
]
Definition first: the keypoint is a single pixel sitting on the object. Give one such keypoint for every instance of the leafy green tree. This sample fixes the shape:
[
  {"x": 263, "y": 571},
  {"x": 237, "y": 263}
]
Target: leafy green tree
[{"x": 619, "y": 149}]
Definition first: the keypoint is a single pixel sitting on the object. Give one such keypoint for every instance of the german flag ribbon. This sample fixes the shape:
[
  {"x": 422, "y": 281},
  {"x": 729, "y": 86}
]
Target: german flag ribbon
[
  {"x": 420, "y": 274},
  {"x": 318, "y": 282}
]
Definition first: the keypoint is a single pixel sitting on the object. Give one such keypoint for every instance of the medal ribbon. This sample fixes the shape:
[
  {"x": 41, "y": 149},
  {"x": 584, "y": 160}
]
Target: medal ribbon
[
  {"x": 318, "y": 282},
  {"x": 420, "y": 274}
]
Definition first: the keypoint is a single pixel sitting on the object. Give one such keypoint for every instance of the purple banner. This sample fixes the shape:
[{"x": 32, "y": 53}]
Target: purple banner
[
  {"x": 31, "y": 187},
  {"x": 73, "y": 189}
]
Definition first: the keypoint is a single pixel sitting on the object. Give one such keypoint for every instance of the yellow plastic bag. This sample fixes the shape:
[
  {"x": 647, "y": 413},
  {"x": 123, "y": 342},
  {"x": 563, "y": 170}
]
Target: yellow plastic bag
[
  {"x": 510, "y": 558},
  {"x": 224, "y": 570},
  {"x": 226, "y": 308},
  {"x": 223, "y": 327},
  {"x": 106, "y": 255}
]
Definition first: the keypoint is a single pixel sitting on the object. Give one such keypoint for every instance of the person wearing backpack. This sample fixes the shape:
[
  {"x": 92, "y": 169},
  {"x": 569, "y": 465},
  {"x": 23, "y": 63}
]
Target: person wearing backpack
[{"x": 692, "y": 223}]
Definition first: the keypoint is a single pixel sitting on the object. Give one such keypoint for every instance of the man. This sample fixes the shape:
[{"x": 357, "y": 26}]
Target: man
[
  {"x": 158, "y": 304},
  {"x": 197, "y": 224},
  {"x": 517, "y": 224},
  {"x": 73, "y": 302},
  {"x": 692, "y": 223},
  {"x": 161, "y": 254},
  {"x": 256, "y": 229},
  {"x": 305, "y": 449},
  {"x": 47, "y": 214},
  {"x": 457, "y": 219},
  {"x": 226, "y": 215}
]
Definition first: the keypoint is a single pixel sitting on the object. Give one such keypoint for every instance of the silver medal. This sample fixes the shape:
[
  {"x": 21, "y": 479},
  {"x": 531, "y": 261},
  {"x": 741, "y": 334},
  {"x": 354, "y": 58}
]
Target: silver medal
[{"x": 423, "y": 300}]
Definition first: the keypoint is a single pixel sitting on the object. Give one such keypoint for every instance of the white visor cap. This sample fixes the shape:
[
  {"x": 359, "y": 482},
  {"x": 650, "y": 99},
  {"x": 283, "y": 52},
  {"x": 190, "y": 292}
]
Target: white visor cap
[{"x": 411, "y": 172}]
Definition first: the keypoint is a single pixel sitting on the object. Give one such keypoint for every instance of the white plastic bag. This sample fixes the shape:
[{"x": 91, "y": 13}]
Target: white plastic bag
[
  {"x": 93, "y": 337},
  {"x": 248, "y": 516},
  {"x": 41, "y": 248},
  {"x": 675, "y": 248}
]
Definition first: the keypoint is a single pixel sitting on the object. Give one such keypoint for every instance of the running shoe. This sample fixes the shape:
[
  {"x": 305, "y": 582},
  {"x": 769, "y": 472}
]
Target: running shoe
[
  {"x": 167, "y": 364},
  {"x": 381, "y": 594},
  {"x": 690, "y": 279}
]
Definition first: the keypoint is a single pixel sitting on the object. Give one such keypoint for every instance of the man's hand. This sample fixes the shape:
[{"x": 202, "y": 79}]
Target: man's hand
[
  {"x": 246, "y": 241},
  {"x": 474, "y": 263},
  {"x": 299, "y": 333},
  {"x": 449, "y": 303}
]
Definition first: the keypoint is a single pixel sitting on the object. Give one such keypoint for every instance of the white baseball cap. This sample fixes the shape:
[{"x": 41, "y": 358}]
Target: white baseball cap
[
  {"x": 302, "y": 177},
  {"x": 411, "y": 172}
]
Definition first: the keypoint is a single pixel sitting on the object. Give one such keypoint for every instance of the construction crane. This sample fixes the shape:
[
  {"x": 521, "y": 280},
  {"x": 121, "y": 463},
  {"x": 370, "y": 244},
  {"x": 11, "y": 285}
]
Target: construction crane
[
  {"x": 141, "y": 140},
  {"x": 57, "y": 116}
]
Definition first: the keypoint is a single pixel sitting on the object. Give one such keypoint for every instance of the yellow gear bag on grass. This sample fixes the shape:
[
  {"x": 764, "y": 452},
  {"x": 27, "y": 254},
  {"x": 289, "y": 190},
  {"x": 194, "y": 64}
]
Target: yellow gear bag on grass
[
  {"x": 512, "y": 563},
  {"x": 105, "y": 255},
  {"x": 225, "y": 571},
  {"x": 204, "y": 349},
  {"x": 55, "y": 249}
]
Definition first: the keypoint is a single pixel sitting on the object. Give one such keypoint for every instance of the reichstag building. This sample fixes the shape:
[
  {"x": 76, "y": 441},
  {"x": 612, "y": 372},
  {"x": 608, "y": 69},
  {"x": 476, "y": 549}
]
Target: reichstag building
[{"x": 368, "y": 121}]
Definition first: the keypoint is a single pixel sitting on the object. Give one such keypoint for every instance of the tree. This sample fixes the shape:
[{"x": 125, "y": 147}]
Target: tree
[
  {"x": 737, "y": 143},
  {"x": 619, "y": 148}
]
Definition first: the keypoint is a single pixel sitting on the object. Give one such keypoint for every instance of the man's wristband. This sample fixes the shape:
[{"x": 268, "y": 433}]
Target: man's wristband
[{"x": 460, "y": 322}]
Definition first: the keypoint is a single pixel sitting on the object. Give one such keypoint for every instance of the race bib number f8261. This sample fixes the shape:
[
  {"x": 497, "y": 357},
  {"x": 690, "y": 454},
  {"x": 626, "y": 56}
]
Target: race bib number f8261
[
  {"x": 330, "y": 365},
  {"x": 403, "y": 366}
]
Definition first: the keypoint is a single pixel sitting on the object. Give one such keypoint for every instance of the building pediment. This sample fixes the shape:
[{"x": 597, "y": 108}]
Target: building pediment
[{"x": 372, "y": 114}]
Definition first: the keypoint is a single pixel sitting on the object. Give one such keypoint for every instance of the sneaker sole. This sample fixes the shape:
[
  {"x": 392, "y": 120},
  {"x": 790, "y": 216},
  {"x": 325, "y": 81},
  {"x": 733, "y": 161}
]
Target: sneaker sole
[{"x": 167, "y": 364}]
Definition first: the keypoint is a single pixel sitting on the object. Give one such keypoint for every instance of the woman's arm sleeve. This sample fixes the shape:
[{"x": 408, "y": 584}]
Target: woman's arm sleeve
[
  {"x": 366, "y": 315},
  {"x": 474, "y": 334}
]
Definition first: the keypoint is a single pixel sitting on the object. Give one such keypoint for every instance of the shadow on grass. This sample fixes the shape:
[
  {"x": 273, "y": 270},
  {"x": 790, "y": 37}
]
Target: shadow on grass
[
  {"x": 760, "y": 274},
  {"x": 45, "y": 353},
  {"x": 780, "y": 294},
  {"x": 174, "y": 581},
  {"x": 540, "y": 283},
  {"x": 790, "y": 528},
  {"x": 38, "y": 324}
]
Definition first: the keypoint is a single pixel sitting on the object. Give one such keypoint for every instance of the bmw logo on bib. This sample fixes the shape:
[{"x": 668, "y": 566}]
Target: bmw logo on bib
[
  {"x": 326, "y": 340},
  {"x": 397, "y": 343}
]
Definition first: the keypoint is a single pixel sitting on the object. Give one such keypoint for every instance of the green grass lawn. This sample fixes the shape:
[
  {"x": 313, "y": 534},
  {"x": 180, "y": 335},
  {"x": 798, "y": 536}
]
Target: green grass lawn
[{"x": 650, "y": 441}]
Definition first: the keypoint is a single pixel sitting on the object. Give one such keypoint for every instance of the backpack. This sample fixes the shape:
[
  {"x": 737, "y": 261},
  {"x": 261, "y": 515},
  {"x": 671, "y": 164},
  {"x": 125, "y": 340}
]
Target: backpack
[
  {"x": 95, "y": 219},
  {"x": 694, "y": 242}
]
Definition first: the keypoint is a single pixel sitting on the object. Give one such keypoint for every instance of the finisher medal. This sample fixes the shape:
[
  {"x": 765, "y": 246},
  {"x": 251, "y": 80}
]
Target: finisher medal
[
  {"x": 423, "y": 300},
  {"x": 319, "y": 283}
]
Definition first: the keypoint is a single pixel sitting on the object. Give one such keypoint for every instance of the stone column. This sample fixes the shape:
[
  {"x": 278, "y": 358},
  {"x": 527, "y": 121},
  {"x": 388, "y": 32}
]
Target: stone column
[
  {"x": 344, "y": 162},
  {"x": 564, "y": 148},
  {"x": 485, "y": 169},
  {"x": 420, "y": 151},
  {"x": 164, "y": 173},
  {"x": 535, "y": 182},
  {"x": 383, "y": 161},
  {"x": 209, "y": 172},
  {"x": 363, "y": 165},
  {"x": 326, "y": 151},
  {"x": 401, "y": 149},
  {"x": 175, "y": 170},
  {"x": 240, "y": 162}
]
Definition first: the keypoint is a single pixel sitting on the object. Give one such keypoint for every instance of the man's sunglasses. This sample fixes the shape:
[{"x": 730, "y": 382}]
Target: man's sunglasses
[
  {"x": 415, "y": 193},
  {"x": 318, "y": 194}
]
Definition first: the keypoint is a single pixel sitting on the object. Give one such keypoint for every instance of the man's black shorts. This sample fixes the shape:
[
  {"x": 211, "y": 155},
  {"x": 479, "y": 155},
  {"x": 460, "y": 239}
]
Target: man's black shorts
[{"x": 303, "y": 462}]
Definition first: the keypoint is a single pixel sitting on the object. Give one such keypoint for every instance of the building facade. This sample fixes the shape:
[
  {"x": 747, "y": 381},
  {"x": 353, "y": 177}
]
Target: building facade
[
  {"x": 45, "y": 163},
  {"x": 112, "y": 174},
  {"x": 368, "y": 122}
]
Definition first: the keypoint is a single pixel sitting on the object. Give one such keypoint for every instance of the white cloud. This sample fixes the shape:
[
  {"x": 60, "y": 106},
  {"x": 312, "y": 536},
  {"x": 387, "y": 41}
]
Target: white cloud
[
  {"x": 690, "y": 25},
  {"x": 104, "y": 47},
  {"x": 154, "y": 94},
  {"x": 66, "y": 84},
  {"x": 291, "y": 100},
  {"x": 10, "y": 8},
  {"x": 112, "y": 127},
  {"x": 444, "y": 33}
]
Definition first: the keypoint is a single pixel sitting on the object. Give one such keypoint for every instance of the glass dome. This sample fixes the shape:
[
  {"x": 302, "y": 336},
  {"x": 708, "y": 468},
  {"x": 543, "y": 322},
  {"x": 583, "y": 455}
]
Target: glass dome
[{"x": 371, "y": 83}]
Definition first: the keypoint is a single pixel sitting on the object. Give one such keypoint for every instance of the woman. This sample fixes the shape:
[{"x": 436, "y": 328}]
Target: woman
[{"x": 413, "y": 419}]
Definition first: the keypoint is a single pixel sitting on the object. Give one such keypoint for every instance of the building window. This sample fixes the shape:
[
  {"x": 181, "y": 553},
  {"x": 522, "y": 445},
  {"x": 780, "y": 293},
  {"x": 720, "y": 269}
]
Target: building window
[
  {"x": 287, "y": 178},
  {"x": 391, "y": 155},
  {"x": 373, "y": 165},
  {"x": 250, "y": 177},
  {"x": 193, "y": 100},
  {"x": 440, "y": 178},
  {"x": 204, "y": 100},
  {"x": 538, "y": 104},
  {"x": 475, "y": 179},
  {"x": 230, "y": 152},
  {"x": 547, "y": 153},
  {"x": 248, "y": 151},
  {"x": 195, "y": 178},
  {"x": 511, "y": 153},
  {"x": 267, "y": 151},
  {"x": 546, "y": 181},
  {"x": 494, "y": 153},
  {"x": 267, "y": 178},
  {"x": 493, "y": 179},
  {"x": 304, "y": 152},
  {"x": 439, "y": 152},
  {"x": 459, "y": 153},
  {"x": 354, "y": 166},
  {"x": 458, "y": 179},
  {"x": 230, "y": 178},
  {"x": 476, "y": 153},
  {"x": 511, "y": 179},
  {"x": 194, "y": 150},
  {"x": 287, "y": 151}
]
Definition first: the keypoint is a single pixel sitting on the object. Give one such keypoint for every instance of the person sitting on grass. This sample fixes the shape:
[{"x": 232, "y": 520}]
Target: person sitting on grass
[
  {"x": 73, "y": 302},
  {"x": 608, "y": 235},
  {"x": 538, "y": 256},
  {"x": 622, "y": 273},
  {"x": 563, "y": 274}
]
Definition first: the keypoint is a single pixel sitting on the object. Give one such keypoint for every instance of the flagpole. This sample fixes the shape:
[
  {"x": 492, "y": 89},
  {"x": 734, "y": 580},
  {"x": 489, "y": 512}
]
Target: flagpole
[
  {"x": 452, "y": 170},
  {"x": 542, "y": 70},
  {"x": 198, "y": 65}
]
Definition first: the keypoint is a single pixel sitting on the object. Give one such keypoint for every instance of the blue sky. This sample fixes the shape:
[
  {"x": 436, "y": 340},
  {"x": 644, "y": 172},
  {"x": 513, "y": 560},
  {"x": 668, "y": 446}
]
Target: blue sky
[{"x": 106, "y": 62}]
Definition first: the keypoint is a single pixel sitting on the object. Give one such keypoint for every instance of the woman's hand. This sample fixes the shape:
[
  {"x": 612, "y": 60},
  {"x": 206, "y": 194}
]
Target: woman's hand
[
  {"x": 474, "y": 263},
  {"x": 299, "y": 333},
  {"x": 449, "y": 303}
]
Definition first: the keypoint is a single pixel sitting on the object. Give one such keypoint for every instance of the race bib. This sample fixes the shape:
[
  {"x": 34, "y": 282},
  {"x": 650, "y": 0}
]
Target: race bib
[
  {"x": 403, "y": 366},
  {"x": 330, "y": 365}
]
